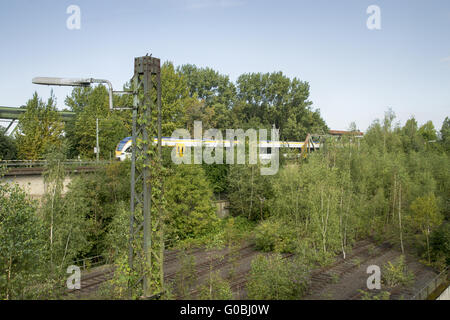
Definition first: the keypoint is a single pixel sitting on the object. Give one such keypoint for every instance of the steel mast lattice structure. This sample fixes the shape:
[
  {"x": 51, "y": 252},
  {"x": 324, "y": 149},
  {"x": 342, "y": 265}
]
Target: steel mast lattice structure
[{"x": 146, "y": 84}]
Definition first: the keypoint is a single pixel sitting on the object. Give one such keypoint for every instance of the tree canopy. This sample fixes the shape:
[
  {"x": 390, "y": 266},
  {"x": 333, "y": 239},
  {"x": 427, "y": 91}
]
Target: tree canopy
[
  {"x": 8, "y": 148},
  {"x": 39, "y": 128}
]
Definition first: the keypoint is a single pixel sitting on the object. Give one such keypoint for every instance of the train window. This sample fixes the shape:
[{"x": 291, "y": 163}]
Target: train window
[{"x": 128, "y": 150}]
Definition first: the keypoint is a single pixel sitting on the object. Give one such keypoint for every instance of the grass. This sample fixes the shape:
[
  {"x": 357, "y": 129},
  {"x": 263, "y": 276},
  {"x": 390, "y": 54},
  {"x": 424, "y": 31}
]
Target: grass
[
  {"x": 357, "y": 262},
  {"x": 335, "y": 278}
]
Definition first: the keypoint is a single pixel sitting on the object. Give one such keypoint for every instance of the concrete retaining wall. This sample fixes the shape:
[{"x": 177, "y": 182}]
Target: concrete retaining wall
[
  {"x": 222, "y": 208},
  {"x": 34, "y": 184}
]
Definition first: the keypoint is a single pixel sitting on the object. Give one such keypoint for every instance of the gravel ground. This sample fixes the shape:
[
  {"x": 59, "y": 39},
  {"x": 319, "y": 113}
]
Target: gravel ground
[
  {"x": 344, "y": 279},
  {"x": 341, "y": 280}
]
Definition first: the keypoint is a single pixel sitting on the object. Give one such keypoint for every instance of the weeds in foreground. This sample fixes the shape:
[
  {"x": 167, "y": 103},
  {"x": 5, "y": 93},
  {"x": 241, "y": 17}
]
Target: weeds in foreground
[{"x": 396, "y": 273}]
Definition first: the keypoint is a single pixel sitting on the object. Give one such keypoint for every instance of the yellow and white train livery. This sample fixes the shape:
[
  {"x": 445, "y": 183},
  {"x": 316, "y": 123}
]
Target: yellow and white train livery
[{"x": 123, "y": 149}]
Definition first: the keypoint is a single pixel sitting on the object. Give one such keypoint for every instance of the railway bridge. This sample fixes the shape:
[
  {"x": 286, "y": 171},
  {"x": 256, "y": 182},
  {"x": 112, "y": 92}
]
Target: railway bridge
[
  {"x": 28, "y": 174},
  {"x": 11, "y": 116}
]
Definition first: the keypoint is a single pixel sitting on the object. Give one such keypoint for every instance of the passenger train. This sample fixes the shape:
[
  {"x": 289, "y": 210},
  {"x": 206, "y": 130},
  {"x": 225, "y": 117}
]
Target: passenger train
[{"x": 123, "y": 149}]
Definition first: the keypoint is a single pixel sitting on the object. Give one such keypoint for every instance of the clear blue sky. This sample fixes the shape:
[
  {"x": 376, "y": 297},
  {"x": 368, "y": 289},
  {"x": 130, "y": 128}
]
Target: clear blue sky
[{"x": 355, "y": 73}]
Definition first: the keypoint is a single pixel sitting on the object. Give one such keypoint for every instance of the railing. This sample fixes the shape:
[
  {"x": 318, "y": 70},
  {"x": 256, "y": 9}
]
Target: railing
[
  {"x": 426, "y": 291},
  {"x": 90, "y": 262},
  {"x": 38, "y": 167},
  {"x": 43, "y": 163}
]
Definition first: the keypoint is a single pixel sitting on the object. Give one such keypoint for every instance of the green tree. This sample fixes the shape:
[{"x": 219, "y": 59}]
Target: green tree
[
  {"x": 217, "y": 175},
  {"x": 249, "y": 191},
  {"x": 216, "y": 288},
  {"x": 215, "y": 95},
  {"x": 8, "y": 148},
  {"x": 90, "y": 104},
  {"x": 189, "y": 196},
  {"x": 426, "y": 217},
  {"x": 440, "y": 244},
  {"x": 64, "y": 224},
  {"x": 97, "y": 199},
  {"x": 175, "y": 99},
  {"x": 289, "y": 187},
  {"x": 39, "y": 128},
  {"x": 275, "y": 278},
  {"x": 20, "y": 242},
  {"x": 208, "y": 85},
  {"x": 445, "y": 134},
  {"x": 428, "y": 132},
  {"x": 277, "y": 100},
  {"x": 323, "y": 204},
  {"x": 411, "y": 137}
]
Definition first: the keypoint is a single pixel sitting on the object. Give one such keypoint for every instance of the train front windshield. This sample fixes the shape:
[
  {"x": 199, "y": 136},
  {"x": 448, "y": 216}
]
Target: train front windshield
[{"x": 122, "y": 143}]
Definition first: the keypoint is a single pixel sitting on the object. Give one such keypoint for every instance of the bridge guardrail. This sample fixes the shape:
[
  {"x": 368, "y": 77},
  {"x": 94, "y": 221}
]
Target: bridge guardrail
[
  {"x": 426, "y": 291},
  {"x": 90, "y": 262},
  {"x": 27, "y": 167},
  {"x": 43, "y": 163}
]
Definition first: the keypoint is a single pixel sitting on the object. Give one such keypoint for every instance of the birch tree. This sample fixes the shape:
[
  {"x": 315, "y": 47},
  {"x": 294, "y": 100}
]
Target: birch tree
[{"x": 426, "y": 217}]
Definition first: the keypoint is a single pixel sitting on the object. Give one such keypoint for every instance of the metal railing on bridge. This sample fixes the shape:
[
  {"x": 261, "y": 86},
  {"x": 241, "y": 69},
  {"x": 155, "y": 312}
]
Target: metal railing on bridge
[
  {"x": 43, "y": 163},
  {"x": 431, "y": 286},
  {"x": 90, "y": 262},
  {"x": 37, "y": 167}
]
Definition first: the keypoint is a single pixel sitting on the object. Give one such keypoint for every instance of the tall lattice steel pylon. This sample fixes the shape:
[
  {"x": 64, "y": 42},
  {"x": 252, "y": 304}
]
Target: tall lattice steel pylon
[{"x": 146, "y": 243}]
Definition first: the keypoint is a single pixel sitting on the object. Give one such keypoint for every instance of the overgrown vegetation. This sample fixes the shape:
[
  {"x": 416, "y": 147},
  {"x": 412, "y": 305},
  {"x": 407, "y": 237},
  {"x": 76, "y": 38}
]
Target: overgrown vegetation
[
  {"x": 216, "y": 288},
  {"x": 275, "y": 235},
  {"x": 191, "y": 213},
  {"x": 8, "y": 149},
  {"x": 20, "y": 243},
  {"x": 396, "y": 273},
  {"x": 274, "y": 278},
  {"x": 186, "y": 276},
  {"x": 39, "y": 128},
  {"x": 383, "y": 295},
  {"x": 392, "y": 184}
]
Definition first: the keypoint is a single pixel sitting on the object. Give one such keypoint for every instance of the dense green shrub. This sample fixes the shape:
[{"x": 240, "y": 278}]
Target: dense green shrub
[
  {"x": 117, "y": 233},
  {"x": 186, "y": 276},
  {"x": 97, "y": 197},
  {"x": 394, "y": 274},
  {"x": 217, "y": 175},
  {"x": 8, "y": 149},
  {"x": 190, "y": 208},
  {"x": 224, "y": 232},
  {"x": 20, "y": 242},
  {"x": 440, "y": 245},
  {"x": 275, "y": 235},
  {"x": 216, "y": 288},
  {"x": 383, "y": 295},
  {"x": 249, "y": 192},
  {"x": 275, "y": 278}
]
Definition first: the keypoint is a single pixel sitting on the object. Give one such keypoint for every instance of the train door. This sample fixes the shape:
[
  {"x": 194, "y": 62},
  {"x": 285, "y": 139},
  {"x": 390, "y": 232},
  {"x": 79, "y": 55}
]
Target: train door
[{"x": 180, "y": 149}]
